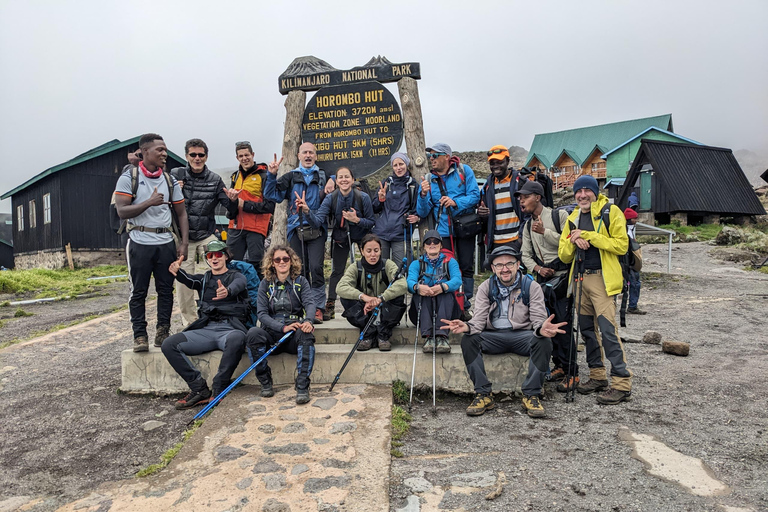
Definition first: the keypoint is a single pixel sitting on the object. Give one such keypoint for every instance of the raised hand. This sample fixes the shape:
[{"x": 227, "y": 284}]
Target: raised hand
[
  {"x": 274, "y": 165},
  {"x": 232, "y": 193},
  {"x": 537, "y": 225},
  {"x": 351, "y": 216},
  {"x": 456, "y": 326},
  {"x": 383, "y": 191},
  {"x": 221, "y": 291},
  {"x": 548, "y": 329},
  {"x": 156, "y": 199},
  {"x": 301, "y": 201},
  {"x": 330, "y": 186},
  {"x": 174, "y": 268},
  {"x": 425, "y": 185},
  {"x": 483, "y": 210}
]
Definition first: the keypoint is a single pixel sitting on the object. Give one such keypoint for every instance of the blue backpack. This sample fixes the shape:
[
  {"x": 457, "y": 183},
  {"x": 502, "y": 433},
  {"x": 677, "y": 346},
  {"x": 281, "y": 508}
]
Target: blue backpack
[
  {"x": 253, "y": 288},
  {"x": 525, "y": 289}
]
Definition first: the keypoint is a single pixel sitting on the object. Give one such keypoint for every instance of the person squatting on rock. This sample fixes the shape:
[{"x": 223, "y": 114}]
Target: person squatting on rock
[
  {"x": 541, "y": 237},
  {"x": 249, "y": 212},
  {"x": 499, "y": 205},
  {"x": 592, "y": 241},
  {"x": 151, "y": 248},
  {"x": 366, "y": 285},
  {"x": 508, "y": 318},
  {"x": 304, "y": 183},
  {"x": 348, "y": 212},
  {"x": 433, "y": 279},
  {"x": 448, "y": 192},
  {"x": 223, "y": 306},
  {"x": 203, "y": 189},
  {"x": 632, "y": 274},
  {"x": 284, "y": 304},
  {"x": 395, "y": 203}
]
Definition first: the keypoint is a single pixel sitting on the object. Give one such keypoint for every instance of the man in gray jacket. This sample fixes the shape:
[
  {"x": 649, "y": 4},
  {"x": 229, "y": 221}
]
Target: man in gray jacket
[{"x": 509, "y": 317}]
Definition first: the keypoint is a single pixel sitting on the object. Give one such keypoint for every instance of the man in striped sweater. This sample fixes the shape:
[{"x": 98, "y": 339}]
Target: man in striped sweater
[{"x": 498, "y": 203}]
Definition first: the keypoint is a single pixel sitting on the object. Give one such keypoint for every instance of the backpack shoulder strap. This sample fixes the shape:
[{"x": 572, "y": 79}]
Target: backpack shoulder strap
[
  {"x": 134, "y": 181},
  {"x": 360, "y": 276},
  {"x": 384, "y": 276},
  {"x": 462, "y": 175},
  {"x": 525, "y": 289},
  {"x": 556, "y": 221},
  {"x": 358, "y": 200}
]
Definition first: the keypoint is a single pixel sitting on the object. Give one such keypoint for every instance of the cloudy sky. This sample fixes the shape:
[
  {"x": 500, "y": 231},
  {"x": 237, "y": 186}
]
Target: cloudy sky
[{"x": 76, "y": 74}]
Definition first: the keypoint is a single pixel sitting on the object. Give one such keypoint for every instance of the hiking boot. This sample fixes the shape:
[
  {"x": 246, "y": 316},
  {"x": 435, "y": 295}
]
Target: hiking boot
[
  {"x": 568, "y": 384},
  {"x": 365, "y": 344},
  {"x": 592, "y": 385},
  {"x": 427, "y": 348},
  {"x": 330, "y": 310},
  {"x": 194, "y": 398},
  {"x": 636, "y": 311},
  {"x": 319, "y": 316},
  {"x": 480, "y": 404},
  {"x": 267, "y": 391},
  {"x": 532, "y": 405},
  {"x": 385, "y": 345},
  {"x": 302, "y": 396},
  {"x": 613, "y": 396},
  {"x": 556, "y": 374},
  {"x": 140, "y": 344},
  {"x": 162, "y": 332},
  {"x": 442, "y": 345}
]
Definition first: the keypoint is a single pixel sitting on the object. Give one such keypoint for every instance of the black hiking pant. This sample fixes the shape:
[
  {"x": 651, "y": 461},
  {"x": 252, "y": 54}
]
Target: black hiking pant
[
  {"x": 144, "y": 262},
  {"x": 446, "y": 306},
  {"x": 313, "y": 252},
  {"x": 389, "y": 316},
  {"x": 300, "y": 343}
]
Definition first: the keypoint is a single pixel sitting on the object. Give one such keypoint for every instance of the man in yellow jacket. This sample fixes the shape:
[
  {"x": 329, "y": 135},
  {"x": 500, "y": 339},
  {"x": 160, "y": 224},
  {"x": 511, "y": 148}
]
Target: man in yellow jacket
[{"x": 592, "y": 241}]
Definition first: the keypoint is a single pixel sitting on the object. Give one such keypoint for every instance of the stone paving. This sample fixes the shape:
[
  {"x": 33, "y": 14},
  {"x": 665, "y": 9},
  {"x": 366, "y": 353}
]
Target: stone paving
[{"x": 270, "y": 455}]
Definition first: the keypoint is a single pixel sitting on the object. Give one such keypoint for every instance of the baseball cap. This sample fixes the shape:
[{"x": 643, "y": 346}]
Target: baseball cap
[
  {"x": 441, "y": 147},
  {"x": 530, "y": 187}
]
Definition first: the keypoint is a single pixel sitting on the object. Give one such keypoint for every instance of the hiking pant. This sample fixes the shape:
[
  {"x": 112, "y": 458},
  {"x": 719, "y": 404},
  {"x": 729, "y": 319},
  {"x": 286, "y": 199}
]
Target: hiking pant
[
  {"x": 446, "y": 307},
  {"x": 464, "y": 252},
  {"x": 389, "y": 316},
  {"x": 186, "y": 296},
  {"x": 634, "y": 288},
  {"x": 240, "y": 240},
  {"x": 520, "y": 342},
  {"x": 214, "y": 336},
  {"x": 299, "y": 343},
  {"x": 597, "y": 309},
  {"x": 312, "y": 268},
  {"x": 394, "y": 251},
  {"x": 339, "y": 259},
  {"x": 563, "y": 346},
  {"x": 145, "y": 261}
]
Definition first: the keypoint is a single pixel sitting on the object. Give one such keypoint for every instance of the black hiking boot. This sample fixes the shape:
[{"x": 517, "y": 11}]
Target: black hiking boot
[
  {"x": 193, "y": 398},
  {"x": 267, "y": 391},
  {"x": 163, "y": 332},
  {"x": 302, "y": 396}
]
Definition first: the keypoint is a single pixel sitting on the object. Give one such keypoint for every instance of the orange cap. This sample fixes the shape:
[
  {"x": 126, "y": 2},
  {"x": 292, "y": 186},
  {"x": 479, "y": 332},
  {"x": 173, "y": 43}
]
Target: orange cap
[{"x": 498, "y": 153}]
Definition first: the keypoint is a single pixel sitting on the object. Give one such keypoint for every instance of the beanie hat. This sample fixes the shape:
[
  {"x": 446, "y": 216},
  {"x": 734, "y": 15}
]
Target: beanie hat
[
  {"x": 630, "y": 214},
  {"x": 401, "y": 156},
  {"x": 587, "y": 182}
]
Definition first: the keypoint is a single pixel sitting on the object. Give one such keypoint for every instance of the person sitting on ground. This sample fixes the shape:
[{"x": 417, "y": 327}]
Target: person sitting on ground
[
  {"x": 632, "y": 274},
  {"x": 349, "y": 213},
  {"x": 432, "y": 279},
  {"x": 365, "y": 286},
  {"x": 507, "y": 319},
  {"x": 284, "y": 304},
  {"x": 220, "y": 326}
]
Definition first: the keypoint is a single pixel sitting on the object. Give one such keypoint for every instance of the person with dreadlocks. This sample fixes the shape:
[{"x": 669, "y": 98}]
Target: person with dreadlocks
[{"x": 510, "y": 316}]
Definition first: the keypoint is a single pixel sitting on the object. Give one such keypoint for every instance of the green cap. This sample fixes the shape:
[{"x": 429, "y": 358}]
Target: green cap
[{"x": 216, "y": 245}]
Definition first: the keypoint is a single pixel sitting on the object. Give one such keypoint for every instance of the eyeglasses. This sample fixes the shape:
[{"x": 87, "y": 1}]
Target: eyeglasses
[
  {"x": 435, "y": 155},
  {"x": 496, "y": 151},
  {"x": 500, "y": 266},
  {"x": 197, "y": 155},
  {"x": 214, "y": 254},
  {"x": 281, "y": 259},
  {"x": 432, "y": 241}
]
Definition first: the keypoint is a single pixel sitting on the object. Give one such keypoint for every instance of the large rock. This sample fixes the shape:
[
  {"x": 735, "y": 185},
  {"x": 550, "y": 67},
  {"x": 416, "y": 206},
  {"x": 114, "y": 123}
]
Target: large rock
[
  {"x": 678, "y": 348},
  {"x": 729, "y": 236},
  {"x": 652, "y": 337}
]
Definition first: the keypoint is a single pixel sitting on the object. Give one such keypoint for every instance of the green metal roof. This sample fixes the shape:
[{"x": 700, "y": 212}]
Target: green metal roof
[
  {"x": 685, "y": 139},
  {"x": 573, "y": 156},
  {"x": 581, "y": 141},
  {"x": 544, "y": 160},
  {"x": 107, "y": 147}
]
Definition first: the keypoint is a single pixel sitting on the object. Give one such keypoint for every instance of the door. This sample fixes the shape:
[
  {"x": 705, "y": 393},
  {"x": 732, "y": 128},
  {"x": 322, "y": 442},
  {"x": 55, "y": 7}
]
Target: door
[{"x": 645, "y": 191}]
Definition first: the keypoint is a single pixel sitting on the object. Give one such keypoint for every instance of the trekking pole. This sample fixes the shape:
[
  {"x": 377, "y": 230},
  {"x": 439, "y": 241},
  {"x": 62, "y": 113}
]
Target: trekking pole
[
  {"x": 349, "y": 241},
  {"x": 434, "y": 352},
  {"x": 415, "y": 347},
  {"x": 305, "y": 269},
  {"x": 374, "y": 314},
  {"x": 221, "y": 395},
  {"x": 570, "y": 393}
]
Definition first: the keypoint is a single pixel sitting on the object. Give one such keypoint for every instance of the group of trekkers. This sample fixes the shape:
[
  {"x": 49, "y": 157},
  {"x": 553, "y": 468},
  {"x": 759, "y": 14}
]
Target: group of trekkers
[{"x": 543, "y": 261}]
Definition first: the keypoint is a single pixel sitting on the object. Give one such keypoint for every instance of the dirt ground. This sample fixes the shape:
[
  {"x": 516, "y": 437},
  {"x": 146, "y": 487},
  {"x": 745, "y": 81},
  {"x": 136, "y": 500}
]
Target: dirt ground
[{"x": 65, "y": 429}]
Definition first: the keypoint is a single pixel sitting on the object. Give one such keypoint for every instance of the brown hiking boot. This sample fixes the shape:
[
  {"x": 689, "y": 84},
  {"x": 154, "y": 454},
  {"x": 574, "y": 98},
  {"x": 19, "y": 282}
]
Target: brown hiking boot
[
  {"x": 592, "y": 385},
  {"x": 385, "y": 345},
  {"x": 442, "y": 345},
  {"x": 636, "y": 311},
  {"x": 194, "y": 398},
  {"x": 140, "y": 344},
  {"x": 480, "y": 404},
  {"x": 365, "y": 344},
  {"x": 613, "y": 396},
  {"x": 162, "y": 332},
  {"x": 532, "y": 406},
  {"x": 330, "y": 310},
  {"x": 568, "y": 384},
  {"x": 556, "y": 374}
]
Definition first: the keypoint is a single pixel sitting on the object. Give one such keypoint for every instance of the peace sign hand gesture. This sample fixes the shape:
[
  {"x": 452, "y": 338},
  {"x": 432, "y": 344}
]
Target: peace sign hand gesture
[
  {"x": 301, "y": 201},
  {"x": 274, "y": 165},
  {"x": 383, "y": 191}
]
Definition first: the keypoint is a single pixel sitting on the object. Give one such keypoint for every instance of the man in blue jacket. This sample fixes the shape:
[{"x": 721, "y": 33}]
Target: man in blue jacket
[{"x": 448, "y": 192}]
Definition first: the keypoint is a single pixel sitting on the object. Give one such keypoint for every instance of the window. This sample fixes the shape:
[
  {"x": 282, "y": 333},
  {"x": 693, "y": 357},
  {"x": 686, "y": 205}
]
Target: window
[
  {"x": 20, "y": 217},
  {"x": 46, "y": 208},
  {"x": 32, "y": 214}
]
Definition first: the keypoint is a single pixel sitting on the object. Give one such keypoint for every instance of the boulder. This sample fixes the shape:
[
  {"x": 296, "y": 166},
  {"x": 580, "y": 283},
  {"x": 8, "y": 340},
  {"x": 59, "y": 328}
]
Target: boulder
[
  {"x": 678, "y": 348},
  {"x": 652, "y": 337}
]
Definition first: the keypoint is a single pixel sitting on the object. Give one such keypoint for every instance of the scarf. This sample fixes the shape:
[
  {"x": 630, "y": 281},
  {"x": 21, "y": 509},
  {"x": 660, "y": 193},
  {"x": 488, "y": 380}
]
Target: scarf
[
  {"x": 307, "y": 173},
  {"x": 148, "y": 174},
  {"x": 373, "y": 269},
  {"x": 504, "y": 291}
]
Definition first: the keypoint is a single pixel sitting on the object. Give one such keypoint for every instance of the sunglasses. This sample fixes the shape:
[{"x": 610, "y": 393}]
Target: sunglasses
[
  {"x": 197, "y": 155},
  {"x": 496, "y": 152},
  {"x": 281, "y": 259},
  {"x": 432, "y": 241},
  {"x": 242, "y": 144},
  {"x": 435, "y": 155},
  {"x": 214, "y": 254}
]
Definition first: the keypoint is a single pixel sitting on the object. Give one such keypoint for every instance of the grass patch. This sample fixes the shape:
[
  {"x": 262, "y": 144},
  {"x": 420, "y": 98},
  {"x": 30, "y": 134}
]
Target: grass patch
[
  {"x": 20, "y": 313},
  {"x": 700, "y": 233},
  {"x": 168, "y": 456},
  {"x": 56, "y": 283},
  {"x": 401, "y": 423},
  {"x": 400, "y": 392},
  {"x": 5, "y": 304}
]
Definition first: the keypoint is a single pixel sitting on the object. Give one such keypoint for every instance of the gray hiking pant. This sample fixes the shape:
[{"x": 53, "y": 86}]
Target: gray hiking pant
[{"x": 519, "y": 342}]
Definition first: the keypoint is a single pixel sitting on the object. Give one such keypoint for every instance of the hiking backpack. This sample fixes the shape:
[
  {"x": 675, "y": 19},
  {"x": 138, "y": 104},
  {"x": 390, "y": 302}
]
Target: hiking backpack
[
  {"x": 362, "y": 276},
  {"x": 252, "y": 279},
  {"x": 121, "y": 225},
  {"x": 448, "y": 255},
  {"x": 358, "y": 202},
  {"x": 525, "y": 289}
]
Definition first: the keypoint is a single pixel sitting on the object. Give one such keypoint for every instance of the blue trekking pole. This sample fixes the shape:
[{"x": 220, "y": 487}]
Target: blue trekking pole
[{"x": 221, "y": 395}]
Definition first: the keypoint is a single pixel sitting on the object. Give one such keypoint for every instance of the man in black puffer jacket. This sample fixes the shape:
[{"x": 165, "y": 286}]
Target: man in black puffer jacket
[{"x": 203, "y": 189}]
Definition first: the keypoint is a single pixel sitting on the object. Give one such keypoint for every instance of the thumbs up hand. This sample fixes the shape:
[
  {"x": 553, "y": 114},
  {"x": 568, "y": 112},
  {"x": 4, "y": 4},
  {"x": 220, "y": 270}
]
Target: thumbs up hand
[
  {"x": 174, "y": 268},
  {"x": 221, "y": 291},
  {"x": 425, "y": 185},
  {"x": 156, "y": 199}
]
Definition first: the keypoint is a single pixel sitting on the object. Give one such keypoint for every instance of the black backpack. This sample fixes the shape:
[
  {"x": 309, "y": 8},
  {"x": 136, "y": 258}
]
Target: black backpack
[
  {"x": 335, "y": 203},
  {"x": 362, "y": 277}
]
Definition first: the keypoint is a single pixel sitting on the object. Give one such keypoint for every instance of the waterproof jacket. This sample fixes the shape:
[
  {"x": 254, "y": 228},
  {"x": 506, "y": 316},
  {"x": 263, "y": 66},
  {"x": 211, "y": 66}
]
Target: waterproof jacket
[
  {"x": 488, "y": 196},
  {"x": 400, "y": 191},
  {"x": 256, "y": 211},
  {"x": 298, "y": 292},
  {"x": 521, "y": 317},
  {"x": 232, "y": 308},
  {"x": 433, "y": 274},
  {"x": 321, "y": 217},
  {"x": 282, "y": 188},
  {"x": 202, "y": 192},
  {"x": 611, "y": 243},
  {"x": 349, "y": 286},
  {"x": 466, "y": 194}
]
